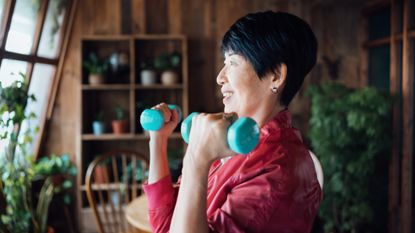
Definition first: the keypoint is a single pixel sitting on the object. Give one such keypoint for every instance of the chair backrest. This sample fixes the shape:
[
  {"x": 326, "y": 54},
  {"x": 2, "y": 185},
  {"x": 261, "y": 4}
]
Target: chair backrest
[
  {"x": 319, "y": 169},
  {"x": 113, "y": 180}
]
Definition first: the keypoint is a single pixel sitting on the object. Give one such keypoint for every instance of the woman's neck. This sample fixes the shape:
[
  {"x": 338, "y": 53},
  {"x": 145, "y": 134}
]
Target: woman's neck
[{"x": 266, "y": 113}]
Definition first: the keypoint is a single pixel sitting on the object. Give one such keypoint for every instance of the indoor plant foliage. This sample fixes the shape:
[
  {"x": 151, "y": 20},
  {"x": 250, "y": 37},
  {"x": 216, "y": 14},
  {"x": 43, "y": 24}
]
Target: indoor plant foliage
[
  {"x": 17, "y": 167},
  {"x": 120, "y": 123},
  {"x": 349, "y": 132},
  {"x": 168, "y": 63},
  {"x": 95, "y": 68}
]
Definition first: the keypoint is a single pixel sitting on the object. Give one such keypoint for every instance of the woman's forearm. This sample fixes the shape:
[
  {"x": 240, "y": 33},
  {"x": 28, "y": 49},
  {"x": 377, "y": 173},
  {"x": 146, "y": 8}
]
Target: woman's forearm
[
  {"x": 190, "y": 211},
  {"x": 159, "y": 165}
]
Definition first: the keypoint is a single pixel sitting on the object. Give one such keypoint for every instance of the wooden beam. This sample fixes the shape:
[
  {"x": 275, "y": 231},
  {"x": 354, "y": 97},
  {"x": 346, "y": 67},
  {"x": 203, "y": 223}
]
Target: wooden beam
[
  {"x": 39, "y": 26},
  {"x": 28, "y": 58},
  {"x": 407, "y": 95},
  {"x": 56, "y": 79},
  {"x": 387, "y": 40},
  {"x": 363, "y": 51},
  {"x": 5, "y": 26},
  {"x": 139, "y": 16},
  {"x": 394, "y": 80},
  {"x": 174, "y": 16}
]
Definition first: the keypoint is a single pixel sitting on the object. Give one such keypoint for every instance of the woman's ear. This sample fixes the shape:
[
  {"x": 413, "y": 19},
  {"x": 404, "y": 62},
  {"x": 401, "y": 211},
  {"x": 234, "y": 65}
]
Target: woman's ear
[{"x": 280, "y": 73}]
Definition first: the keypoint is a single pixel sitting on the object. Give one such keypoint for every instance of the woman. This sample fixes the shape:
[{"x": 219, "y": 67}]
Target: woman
[{"x": 274, "y": 188}]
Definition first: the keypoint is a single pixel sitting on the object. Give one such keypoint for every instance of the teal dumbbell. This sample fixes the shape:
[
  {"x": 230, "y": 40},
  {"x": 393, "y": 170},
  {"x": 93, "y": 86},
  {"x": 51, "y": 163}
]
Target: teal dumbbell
[
  {"x": 242, "y": 135},
  {"x": 153, "y": 120}
]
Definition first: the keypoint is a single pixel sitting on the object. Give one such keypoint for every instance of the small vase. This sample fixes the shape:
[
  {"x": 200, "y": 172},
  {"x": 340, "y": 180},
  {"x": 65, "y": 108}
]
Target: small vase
[
  {"x": 98, "y": 127},
  {"x": 169, "y": 77},
  {"x": 96, "y": 79},
  {"x": 148, "y": 77}
]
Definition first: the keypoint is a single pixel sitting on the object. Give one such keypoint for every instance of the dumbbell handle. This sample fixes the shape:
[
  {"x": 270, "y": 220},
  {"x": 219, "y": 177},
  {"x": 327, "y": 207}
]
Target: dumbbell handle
[
  {"x": 242, "y": 135},
  {"x": 153, "y": 119}
]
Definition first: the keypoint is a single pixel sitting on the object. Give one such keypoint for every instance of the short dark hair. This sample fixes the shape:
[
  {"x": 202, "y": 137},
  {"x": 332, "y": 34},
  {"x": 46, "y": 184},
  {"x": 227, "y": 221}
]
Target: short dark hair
[{"x": 267, "y": 39}]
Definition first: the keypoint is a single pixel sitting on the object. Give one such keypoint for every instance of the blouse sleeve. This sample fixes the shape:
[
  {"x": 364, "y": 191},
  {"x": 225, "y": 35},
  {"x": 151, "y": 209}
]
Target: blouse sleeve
[{"x": 161, "y": 197}]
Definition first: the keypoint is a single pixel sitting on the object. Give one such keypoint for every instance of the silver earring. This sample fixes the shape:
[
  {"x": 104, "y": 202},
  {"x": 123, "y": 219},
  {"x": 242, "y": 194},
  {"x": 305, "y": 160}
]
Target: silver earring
[{"x": 274, "y": 90}]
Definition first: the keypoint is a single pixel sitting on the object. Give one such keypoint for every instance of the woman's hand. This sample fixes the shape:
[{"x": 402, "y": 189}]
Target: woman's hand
[
  {"x": 171, "y": 119},
  {"x": 159, "y": 165},
  {"x": 208, "y": 137}
]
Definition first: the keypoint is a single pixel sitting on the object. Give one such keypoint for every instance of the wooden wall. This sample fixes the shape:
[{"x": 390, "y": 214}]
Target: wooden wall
[{"x": 204, "y": 22}]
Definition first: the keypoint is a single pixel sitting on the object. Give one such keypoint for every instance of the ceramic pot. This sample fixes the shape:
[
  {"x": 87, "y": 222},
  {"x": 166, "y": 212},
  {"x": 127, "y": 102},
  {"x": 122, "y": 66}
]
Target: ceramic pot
[
  {"x": 169, "y": 77},
  {"x": 119, "y": 126},
  {"x": 148, "y": 77},
  {"x": 95, "y": 79},
  {"x": 98, "y": 127}
]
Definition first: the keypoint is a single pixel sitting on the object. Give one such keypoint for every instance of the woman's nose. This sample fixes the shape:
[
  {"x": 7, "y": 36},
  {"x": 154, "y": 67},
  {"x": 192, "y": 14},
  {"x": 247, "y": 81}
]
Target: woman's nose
[{"x": 221, "y": 78}]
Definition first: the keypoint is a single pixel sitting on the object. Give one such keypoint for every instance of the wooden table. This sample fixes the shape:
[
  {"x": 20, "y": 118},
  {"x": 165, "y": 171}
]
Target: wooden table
[{"x": 137, "y": 213}]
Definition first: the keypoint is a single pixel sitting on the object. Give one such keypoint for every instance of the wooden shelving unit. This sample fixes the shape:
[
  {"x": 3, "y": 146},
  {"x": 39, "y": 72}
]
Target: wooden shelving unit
[{"x": 125, "y": 90}]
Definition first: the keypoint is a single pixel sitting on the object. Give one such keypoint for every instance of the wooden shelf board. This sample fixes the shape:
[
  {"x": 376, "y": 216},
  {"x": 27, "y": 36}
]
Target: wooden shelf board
[
  {"x": 106, "y": 87},
  {"x": 159, "y": 86},
  {"x": 108, "y": 137}
]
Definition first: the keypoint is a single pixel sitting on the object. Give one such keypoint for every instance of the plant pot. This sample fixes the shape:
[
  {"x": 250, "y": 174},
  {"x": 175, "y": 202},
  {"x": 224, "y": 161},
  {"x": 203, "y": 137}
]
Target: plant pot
[
  {"x": 96, "y": 79},
  {"x": 148, "y": 77},
  {"x": 50, "y": 229},
  {"x": 98, "y": 127},
  {"x": 100, "y": 174},
  {"x": 119, "y": 126},
  {"x": 169, "y": 77}
]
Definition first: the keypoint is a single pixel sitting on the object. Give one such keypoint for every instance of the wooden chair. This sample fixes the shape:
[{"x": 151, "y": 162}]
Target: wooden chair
[{"x": 113, "y": 180}]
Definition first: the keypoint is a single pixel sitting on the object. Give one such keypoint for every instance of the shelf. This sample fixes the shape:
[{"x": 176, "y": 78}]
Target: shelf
[
  {"x": 110, "y": 186},
  {"x": 159, "y": 86},
  {"x": 111, "y": 137},
  {"x": 106, "y": 87}
]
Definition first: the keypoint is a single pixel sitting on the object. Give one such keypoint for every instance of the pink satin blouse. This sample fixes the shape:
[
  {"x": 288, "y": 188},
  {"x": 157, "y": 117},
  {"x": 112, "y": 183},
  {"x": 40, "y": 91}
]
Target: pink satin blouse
[{"x": 272, "y": 189}]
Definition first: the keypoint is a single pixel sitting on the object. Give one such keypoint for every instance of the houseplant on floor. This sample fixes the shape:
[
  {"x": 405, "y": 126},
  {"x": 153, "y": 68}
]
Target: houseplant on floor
[
  {"x": 350, "y": 134},
  {"x": 17, "y": 166}
]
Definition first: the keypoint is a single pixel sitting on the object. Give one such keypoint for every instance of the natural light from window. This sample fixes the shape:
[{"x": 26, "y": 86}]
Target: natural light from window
[
  {"x": 9, "y": 71},
  {"x": 50, "y": 38},
  {"x": 22, "y": 28},
  {"x": 1, "y": 10},
  {"x": 39, "y": 86}
]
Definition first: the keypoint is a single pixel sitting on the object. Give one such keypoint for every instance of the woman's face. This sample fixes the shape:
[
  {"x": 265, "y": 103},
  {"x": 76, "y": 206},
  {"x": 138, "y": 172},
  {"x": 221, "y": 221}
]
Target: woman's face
[{"x": 243, "y": 92}]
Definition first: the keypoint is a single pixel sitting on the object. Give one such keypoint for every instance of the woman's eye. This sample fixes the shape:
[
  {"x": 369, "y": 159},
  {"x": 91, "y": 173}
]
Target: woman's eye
[{"x": 233, "y": 63}]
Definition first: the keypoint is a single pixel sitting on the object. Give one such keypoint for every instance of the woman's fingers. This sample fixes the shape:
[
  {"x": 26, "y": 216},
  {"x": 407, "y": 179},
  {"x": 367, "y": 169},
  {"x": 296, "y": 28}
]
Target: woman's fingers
[{"x": 165, "y": 110}]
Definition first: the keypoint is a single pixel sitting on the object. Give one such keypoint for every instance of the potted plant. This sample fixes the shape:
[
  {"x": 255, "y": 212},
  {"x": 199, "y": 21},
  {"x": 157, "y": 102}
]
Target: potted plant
[
  {"x": 120, "y": 123},
  {"x": 98, "y": 125},
  {"x": 17, "y": 166},
  {"x": 350, "y": 134},
  {"x": 147, "y": 74},
  {"x": 167, "y": 64},
  {"x": 96, "y": 69}
]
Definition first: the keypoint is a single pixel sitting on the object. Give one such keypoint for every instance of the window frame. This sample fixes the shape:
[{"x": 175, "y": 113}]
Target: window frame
[
  {"x": 32, "y": 58},
  {"x": 401, "y": 84}
]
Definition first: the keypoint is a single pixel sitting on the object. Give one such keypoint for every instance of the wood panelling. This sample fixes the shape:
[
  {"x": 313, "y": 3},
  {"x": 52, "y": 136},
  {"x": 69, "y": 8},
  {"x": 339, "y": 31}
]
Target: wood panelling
[
  {"x": 407, "y": 150},
  {"x": 203, "y": 23}
]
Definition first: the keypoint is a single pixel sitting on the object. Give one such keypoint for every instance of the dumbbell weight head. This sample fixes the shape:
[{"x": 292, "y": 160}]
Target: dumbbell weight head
[
  {"x": 186, "y": 125},
  {"x": 153, "y": 120},
  {"x": 242, "y": 136}
]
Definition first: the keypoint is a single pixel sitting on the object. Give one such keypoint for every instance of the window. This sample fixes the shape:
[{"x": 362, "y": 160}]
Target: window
[
  {"x": 31, "y": 41},
  {"x": 390, "y": 54}
]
